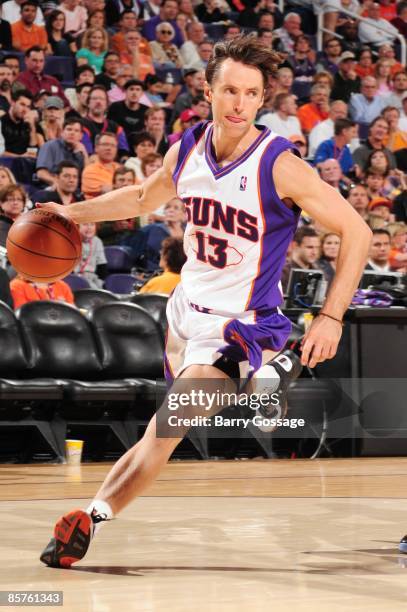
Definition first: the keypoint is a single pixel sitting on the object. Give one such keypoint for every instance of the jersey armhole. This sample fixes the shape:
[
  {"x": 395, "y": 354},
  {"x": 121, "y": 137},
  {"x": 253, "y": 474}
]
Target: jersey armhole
[
  {"x": 189, "y": 140},
  {"x": 275, "y": 148}
]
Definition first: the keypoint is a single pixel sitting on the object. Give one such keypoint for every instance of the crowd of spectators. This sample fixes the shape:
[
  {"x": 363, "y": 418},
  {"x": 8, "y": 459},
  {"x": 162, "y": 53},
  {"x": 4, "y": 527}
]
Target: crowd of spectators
[{"x": 139, "y": 71}]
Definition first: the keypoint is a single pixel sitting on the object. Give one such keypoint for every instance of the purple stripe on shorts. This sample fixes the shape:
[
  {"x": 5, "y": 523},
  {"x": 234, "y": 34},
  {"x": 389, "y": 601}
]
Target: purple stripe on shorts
[{"x": 280, "y": 223}]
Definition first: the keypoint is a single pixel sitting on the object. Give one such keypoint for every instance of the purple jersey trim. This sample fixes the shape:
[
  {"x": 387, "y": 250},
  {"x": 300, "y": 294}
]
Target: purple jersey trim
[
  {"x": 189, "y": 140},
  {"x": 280, "y": 223},
  {"x": 218, "y": 171}
]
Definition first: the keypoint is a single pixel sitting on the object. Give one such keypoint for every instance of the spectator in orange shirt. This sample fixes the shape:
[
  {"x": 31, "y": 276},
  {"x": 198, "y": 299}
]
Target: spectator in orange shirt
[
  {"x": 128, "y": 22},
  {"x": 315, "y": 111},
  {"x": 24, "y": 291},
  {"x": 398, "y": 252},
  {"x": 134, "y": 55},
  {"x": 97, "y": 177},
  {"x": 25, "y": 33}
]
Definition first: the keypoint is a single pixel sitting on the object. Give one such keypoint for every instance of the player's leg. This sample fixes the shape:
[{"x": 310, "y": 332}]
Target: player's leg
[{"x": 128, "y": 478}]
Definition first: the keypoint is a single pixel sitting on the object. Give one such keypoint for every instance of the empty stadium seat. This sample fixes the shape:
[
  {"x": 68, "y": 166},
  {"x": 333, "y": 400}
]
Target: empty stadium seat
[
  {"x": 120, "y": 283},
  {"x": 156, "y": 306},
  {"x": 89, "y": 298},
  {"x": 118, "y": 259},
  {"x": 60, "y": 67},
  {"x": 76, "y": 282}
]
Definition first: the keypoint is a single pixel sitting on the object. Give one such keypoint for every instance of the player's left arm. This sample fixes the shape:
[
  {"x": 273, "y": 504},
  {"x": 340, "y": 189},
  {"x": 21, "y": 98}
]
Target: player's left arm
[{"x": 296, "y": 180}]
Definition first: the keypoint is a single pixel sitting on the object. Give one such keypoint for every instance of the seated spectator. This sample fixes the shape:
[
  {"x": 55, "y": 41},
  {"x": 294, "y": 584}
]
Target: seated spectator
[
  {"x": 92, "y": 266},
  {"x": 331, "y": 173},
  {"x": 129, "y": 113},
  {"x": 374, "y": 182},
  {"x": 378, "y": 163},
  {"x": 95, "y": 43},
  {"x": 172, "y": 258},
  {"x": 381, "y": 207},
  {"x": 399, "y": 92},
  {"x": 396, "y": 138},
  {"x": 187, "y": 118},
  {"x": 96, "y": 121},
  {"x": 154, "y": 125},
  {"x": 330, "y": 245},
  {"x": 24, "y": 291},
  {"x": 146, "y": 242},
  {"x": 66, "y": 148},
  {"x": 289, "y": 32},
  {"x": 168, "y": 12},
  {"x": 18, "y": 127},
  {"x": 378, "y": 132},
  {"x": 194, "y": 81},
  {"x": 208, "y": 11},
  {"x": 118, "y": 92},
  {"x": 151, "y": 163},
  {"x": 365, "y": 66},
  {"x": 110, "y": 71},
  {"x": 134, "y": 53},
  {"x": 400, "y": 201},
  {"x": 346, "y": 81},
  {"x": 143, "y": 144},
  {"x": 80, "y": 110},
  {"x": 301, "y": 143},
  {"x": 307, "y": 247},
  {"x": 126, "y": 20},
  {"x": 97, "y": 178},
  {"x": 367, "y": 105},
  {"x": 284, "y": 120},
  {"x": 325, "y": 129},
  {"x": 189, "y": 50},
  {"x": 75, "y": 17},
  {"x": 303, "y": 67},
  {"x": 370, "y": 33},
  {"x": 124, "y": 177},
  {"x": 66, "y": 187},
  {"x": 5, "y": 35},
  {"x": 6, "y": 80},
  {"x": 398, "y": 252},
  {"x": 323, "y": 78},
  {"x": 285, "y": 80},
  {"x": 359, "y": 199},
  {"x": 186, "y": 8},
  {"x": 379, "y": 251},
  {"x": 12, "y": 203},
  {"x": 11, "y": 12},
  {"x": 400, "y": 21},
  {"x": 85, "y": 75},
  {"x": 6, "y": 177},
  {"x": 338, "y": 146},
  {"x": 382, "y": 73},
  {"x": 316, "y": 110},
  {"x": 25, "y": 33},
  {"x": 163, "y": 50},
  {"x": 52, "y": 122},
  {"x": 34, "y": 79},
  {"x": 61, "y": 43},
  {"x": 114, "y": 232},
  {"x": 97, "y": 19},
  {"x": 349, "y": 31},
  {"x": 329, "y": 59},
  {"x": 232, "y": 31},
  {"x": 387, "y": 52}
]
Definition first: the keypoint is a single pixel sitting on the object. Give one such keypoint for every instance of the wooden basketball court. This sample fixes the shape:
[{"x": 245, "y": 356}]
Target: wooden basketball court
[{"x": 219, "y": 536}]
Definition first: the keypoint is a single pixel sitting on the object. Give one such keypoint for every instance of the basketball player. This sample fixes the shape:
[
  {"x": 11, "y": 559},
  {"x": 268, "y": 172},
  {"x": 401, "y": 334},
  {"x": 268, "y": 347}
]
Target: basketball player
[{"x": 243, "y": 189}]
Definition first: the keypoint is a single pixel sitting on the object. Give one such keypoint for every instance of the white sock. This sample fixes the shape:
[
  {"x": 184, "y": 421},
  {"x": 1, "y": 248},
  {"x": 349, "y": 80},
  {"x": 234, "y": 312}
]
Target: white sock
[{"x": 100, "y": 507}]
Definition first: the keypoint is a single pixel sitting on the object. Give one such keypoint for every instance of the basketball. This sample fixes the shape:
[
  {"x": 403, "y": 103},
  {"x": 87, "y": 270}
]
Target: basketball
[{"x": 43, "y": 246}]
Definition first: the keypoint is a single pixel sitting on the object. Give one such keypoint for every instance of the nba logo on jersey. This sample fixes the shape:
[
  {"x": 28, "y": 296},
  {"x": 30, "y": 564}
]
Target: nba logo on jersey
[{"x": 243, "y": 183}]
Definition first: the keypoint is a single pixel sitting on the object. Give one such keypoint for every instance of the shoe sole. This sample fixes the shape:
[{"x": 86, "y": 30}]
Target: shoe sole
[
  {"x": 72, "y": 535},
  {"x": 403, "y": 547}
]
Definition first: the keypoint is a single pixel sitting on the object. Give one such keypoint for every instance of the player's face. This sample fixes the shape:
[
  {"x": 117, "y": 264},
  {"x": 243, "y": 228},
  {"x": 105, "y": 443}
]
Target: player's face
[{"x": 236, "y": 95}]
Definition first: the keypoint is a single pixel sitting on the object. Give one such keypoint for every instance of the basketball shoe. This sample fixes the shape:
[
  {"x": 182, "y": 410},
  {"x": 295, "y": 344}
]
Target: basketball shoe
[
  {"x": 274, "y": 379},
  {"x": 72, "y": 535},
  {"x": 403, "y": 545}
]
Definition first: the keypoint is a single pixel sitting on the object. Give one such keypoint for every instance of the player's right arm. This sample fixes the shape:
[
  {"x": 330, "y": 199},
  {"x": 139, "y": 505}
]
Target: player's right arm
[{"x": 127, "y": 202}]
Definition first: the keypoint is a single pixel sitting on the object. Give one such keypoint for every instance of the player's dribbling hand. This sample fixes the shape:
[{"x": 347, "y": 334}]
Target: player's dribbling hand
[
  {"x": 60, "y": 209},
  {"x": 320, "y": 341}
]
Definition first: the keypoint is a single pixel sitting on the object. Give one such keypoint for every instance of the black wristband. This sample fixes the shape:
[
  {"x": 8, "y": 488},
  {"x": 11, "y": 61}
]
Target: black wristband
[{"x": 324, "y": 314}]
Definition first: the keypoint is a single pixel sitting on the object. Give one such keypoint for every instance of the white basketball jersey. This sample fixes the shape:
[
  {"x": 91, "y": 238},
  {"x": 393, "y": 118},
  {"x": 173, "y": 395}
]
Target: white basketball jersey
[{"x": 238, "y": 230}]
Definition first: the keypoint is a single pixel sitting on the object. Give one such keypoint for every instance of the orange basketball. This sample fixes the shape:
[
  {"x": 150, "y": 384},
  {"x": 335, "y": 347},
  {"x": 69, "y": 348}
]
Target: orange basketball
[{"x": 43, "y": 246}]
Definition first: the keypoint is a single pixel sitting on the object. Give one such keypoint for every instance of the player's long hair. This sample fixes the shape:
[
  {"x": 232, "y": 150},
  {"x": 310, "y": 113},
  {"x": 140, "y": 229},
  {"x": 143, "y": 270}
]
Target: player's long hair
[{"x": 246, "y": 49}]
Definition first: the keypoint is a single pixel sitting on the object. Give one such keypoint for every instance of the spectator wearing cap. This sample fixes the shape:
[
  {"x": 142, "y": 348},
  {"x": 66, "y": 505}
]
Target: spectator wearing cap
[
  {"x": 52, "y": 122},
  {"x": 378, "y": 133},
  {"x": 194, "y": 81},
  {"x": 189, "y": 50},
  {"x": 135, "y": 54},
  {"x": 284, "y": 120},
  {"x": 366, "y": 106},
  {"x": 18, "y": 126},
  {"x": 316, "y": 110},
  {"x": 338, "y": 146},
  {"x": 129, "y": 113},
  {"x": 346, "y": 80},
  {"x": 379, "y": 251},
  {"x": 34, "y": 79},
  {"x": 53, "y": 152},
  {"x": 66, "y": 186},
  {"x": 97, "y": 178},
  {"x": 143, "y": 144},
  {"x": 188, "y": 118},
  {"x": 11, "y": 12},
  {"x": 369, "y": 31},
  {"x": 381, "y": 207},
  {"x": 163, "y": 50},
  {"x": 168, "y": 12},
  {"x": 325, "y": 129},
  {"x": 96, "y": 121},
  {"x": 25, "y": 33}
]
